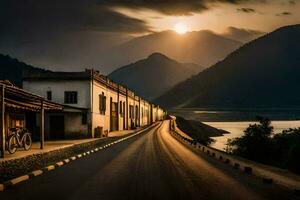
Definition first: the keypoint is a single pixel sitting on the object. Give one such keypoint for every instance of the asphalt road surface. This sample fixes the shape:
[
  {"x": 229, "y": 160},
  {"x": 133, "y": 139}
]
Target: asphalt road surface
[{"x": 153, "y": 165}]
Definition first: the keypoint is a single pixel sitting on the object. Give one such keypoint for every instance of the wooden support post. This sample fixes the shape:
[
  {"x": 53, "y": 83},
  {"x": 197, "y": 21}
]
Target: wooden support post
[
  {"x": 42, "y": 123},
  {"x": 2, "y": 122},
  {"x": 118, "y": 108},
  {"x": 110, "y": 115},
  {"x": 126, "y": 108}
]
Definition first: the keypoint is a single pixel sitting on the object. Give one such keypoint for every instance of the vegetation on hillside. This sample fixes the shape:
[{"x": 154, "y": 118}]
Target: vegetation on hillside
[
  {"x": 260, "y": 144},
  {"x": 199, "y": 131},
  {"x": 12, "y": 69},
  {"x": 252, "y": 76}
]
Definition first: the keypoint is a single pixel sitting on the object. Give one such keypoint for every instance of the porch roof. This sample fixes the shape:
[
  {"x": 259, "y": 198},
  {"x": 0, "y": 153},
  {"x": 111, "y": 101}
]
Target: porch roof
[{"x": 21, "y": 99}]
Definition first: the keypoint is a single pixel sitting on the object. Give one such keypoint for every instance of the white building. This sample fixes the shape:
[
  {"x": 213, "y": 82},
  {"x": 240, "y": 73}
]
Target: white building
[{"x": 94, "y": 105}]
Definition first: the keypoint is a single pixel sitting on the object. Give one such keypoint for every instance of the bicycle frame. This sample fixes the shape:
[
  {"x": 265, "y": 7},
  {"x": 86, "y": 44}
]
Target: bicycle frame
[{"x": 18, "y": 136}]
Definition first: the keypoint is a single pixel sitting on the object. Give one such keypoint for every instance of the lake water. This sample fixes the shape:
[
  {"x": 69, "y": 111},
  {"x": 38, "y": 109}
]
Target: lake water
[
  {"x": 236, "y": 130},
  {"x": 237, "y": 121}
]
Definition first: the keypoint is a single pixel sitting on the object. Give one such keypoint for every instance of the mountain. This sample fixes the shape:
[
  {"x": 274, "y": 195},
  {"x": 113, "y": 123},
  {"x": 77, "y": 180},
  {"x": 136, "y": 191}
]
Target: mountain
[
  {"x": 12, "y": 69},
  {"x": 154, "y": 75},
  {"x": 242, "y": 35},
  {"x": 262, "y": 73},
  {"x": 201, "y": 47}
]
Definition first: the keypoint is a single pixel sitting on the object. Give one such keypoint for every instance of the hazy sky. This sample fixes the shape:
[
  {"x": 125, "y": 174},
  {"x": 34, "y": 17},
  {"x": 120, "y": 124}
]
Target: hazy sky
[
  {"x": 263, "y": 15},
  {"x": 68, "y": 34}
]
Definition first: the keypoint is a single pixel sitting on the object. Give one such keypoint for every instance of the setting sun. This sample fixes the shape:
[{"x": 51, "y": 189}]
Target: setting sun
[{"x": 180, "y": 28}]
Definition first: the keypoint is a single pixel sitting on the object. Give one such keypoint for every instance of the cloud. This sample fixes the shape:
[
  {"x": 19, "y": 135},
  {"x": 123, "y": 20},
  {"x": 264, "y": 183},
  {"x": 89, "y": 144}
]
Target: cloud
[
  {"x": 73, "y": 33},
  {"x": 168, "y": 7},
  {"x": 50, "y": 16},
  {"x": 246, "y": 10},
  {"x": 171, "y": 7},
  {"x": 62, "y": 32},
  {"x": 283, "y": 14},
  {"x": 292, "y": 2},
  {"x": 26, "y": 21}
]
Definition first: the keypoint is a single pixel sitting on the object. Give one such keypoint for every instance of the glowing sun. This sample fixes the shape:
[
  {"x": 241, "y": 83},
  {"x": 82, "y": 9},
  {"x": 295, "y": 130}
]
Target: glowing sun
[{"x": 180, "y": 28}]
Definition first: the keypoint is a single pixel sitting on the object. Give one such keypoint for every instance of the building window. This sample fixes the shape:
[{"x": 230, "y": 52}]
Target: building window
[
  {"x": 70, "y": 97},
  {"x": 84, "y": 118},
  {"x": 49, "y": 95},
  {"x": 102, "y": 103}
]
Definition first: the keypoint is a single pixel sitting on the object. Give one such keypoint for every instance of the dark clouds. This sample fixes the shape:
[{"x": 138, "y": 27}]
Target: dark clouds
[
  {"x": 64, "y": 15},
  {"x": 59, "y": 32},
  {"x": 26, "y": 21},
  {"x": 283, "y": 14},
  {"x": 246, "y": 10},
  {"x": 171, "y": 7},
  {"x": 37, "y": 18},
  {"x": 168, "y": 7},
  {"x": 62, "y": 32},
  {"x": 292, "y": 2},
  {"x": 33, "y": 28}
]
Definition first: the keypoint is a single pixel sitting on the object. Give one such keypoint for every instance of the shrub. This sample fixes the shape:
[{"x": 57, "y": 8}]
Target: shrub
[
  {"x": 255, "y": 143},
  {"x": 259, "y": 144}
]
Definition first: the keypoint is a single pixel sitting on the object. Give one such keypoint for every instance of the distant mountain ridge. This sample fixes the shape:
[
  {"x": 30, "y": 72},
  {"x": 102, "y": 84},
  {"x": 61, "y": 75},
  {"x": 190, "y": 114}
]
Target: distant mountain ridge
[
  {"x": 200, "y": 47},
  {"x": 12, "y": 69},
  {"x": 242, "y": 35},
  {"x": 262, "y": 73},
  {"x": 154, "y": 75}
]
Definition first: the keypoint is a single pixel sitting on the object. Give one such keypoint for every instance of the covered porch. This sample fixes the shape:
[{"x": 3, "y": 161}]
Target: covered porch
[{"x": 19, "y": 108}]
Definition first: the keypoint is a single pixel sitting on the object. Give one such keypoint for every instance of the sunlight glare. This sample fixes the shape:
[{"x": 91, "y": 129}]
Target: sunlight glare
[{"x": 180, "y": 28}]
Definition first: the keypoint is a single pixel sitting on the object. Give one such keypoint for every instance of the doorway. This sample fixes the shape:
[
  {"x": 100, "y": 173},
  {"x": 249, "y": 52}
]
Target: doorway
[
  {"x": 57, "y": 127},
  {"x": 113, "y": 116}
]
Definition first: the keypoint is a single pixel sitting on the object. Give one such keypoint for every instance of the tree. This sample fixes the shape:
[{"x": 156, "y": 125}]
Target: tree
[
  {"x": 259, "y": 144},
  {"x": 255, "y": 143}
]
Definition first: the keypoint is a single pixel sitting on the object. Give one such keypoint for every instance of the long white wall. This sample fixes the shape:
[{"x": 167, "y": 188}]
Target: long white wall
[
  {"x": 88, "y": 98},
  {"x": 58, "y": 89}
]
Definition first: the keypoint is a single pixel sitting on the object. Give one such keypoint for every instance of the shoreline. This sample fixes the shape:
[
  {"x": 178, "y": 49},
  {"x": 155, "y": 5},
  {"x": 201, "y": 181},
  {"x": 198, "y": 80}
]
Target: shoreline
[
  {"x": 236, "y": 130},
  {"x": 222, "y": 115}
]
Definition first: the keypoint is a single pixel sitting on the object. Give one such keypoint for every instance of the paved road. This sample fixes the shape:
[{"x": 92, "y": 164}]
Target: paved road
[{"x": 152, "y": 165}]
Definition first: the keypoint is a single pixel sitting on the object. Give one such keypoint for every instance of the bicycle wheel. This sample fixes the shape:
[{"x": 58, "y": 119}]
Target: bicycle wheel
[
  {"x": 12, "y": 144},
  {"x": 27, "y": 142}
]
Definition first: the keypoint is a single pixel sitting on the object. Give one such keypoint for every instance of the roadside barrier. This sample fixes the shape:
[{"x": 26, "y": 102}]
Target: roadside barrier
[
  {"x": 36, "y": 173},
  {"x": 235, "y": 162}
]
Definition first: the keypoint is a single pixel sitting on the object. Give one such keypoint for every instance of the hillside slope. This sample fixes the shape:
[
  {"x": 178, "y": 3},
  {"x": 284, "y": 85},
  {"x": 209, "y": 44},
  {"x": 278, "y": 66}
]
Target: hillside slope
[
  {"x": 154, "y": 75},
  {"x": 12, "y": 69},
  {"x": 262, "y": 73}
]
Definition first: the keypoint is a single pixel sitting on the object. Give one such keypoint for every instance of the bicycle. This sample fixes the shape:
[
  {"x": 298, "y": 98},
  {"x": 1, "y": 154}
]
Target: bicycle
[{"x": 19, "y": 137}]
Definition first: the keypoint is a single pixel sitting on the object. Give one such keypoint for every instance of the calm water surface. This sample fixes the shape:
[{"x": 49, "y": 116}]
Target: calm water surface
[
  {"x": 237, "y": 121},
  {"x": 236, "y": 130}
]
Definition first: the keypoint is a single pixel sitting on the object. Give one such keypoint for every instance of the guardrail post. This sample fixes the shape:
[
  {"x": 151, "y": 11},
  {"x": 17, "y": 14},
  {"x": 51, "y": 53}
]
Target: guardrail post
[
  {"x": 236, "y": 165},
  {"x": 248, "y": 170}
]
